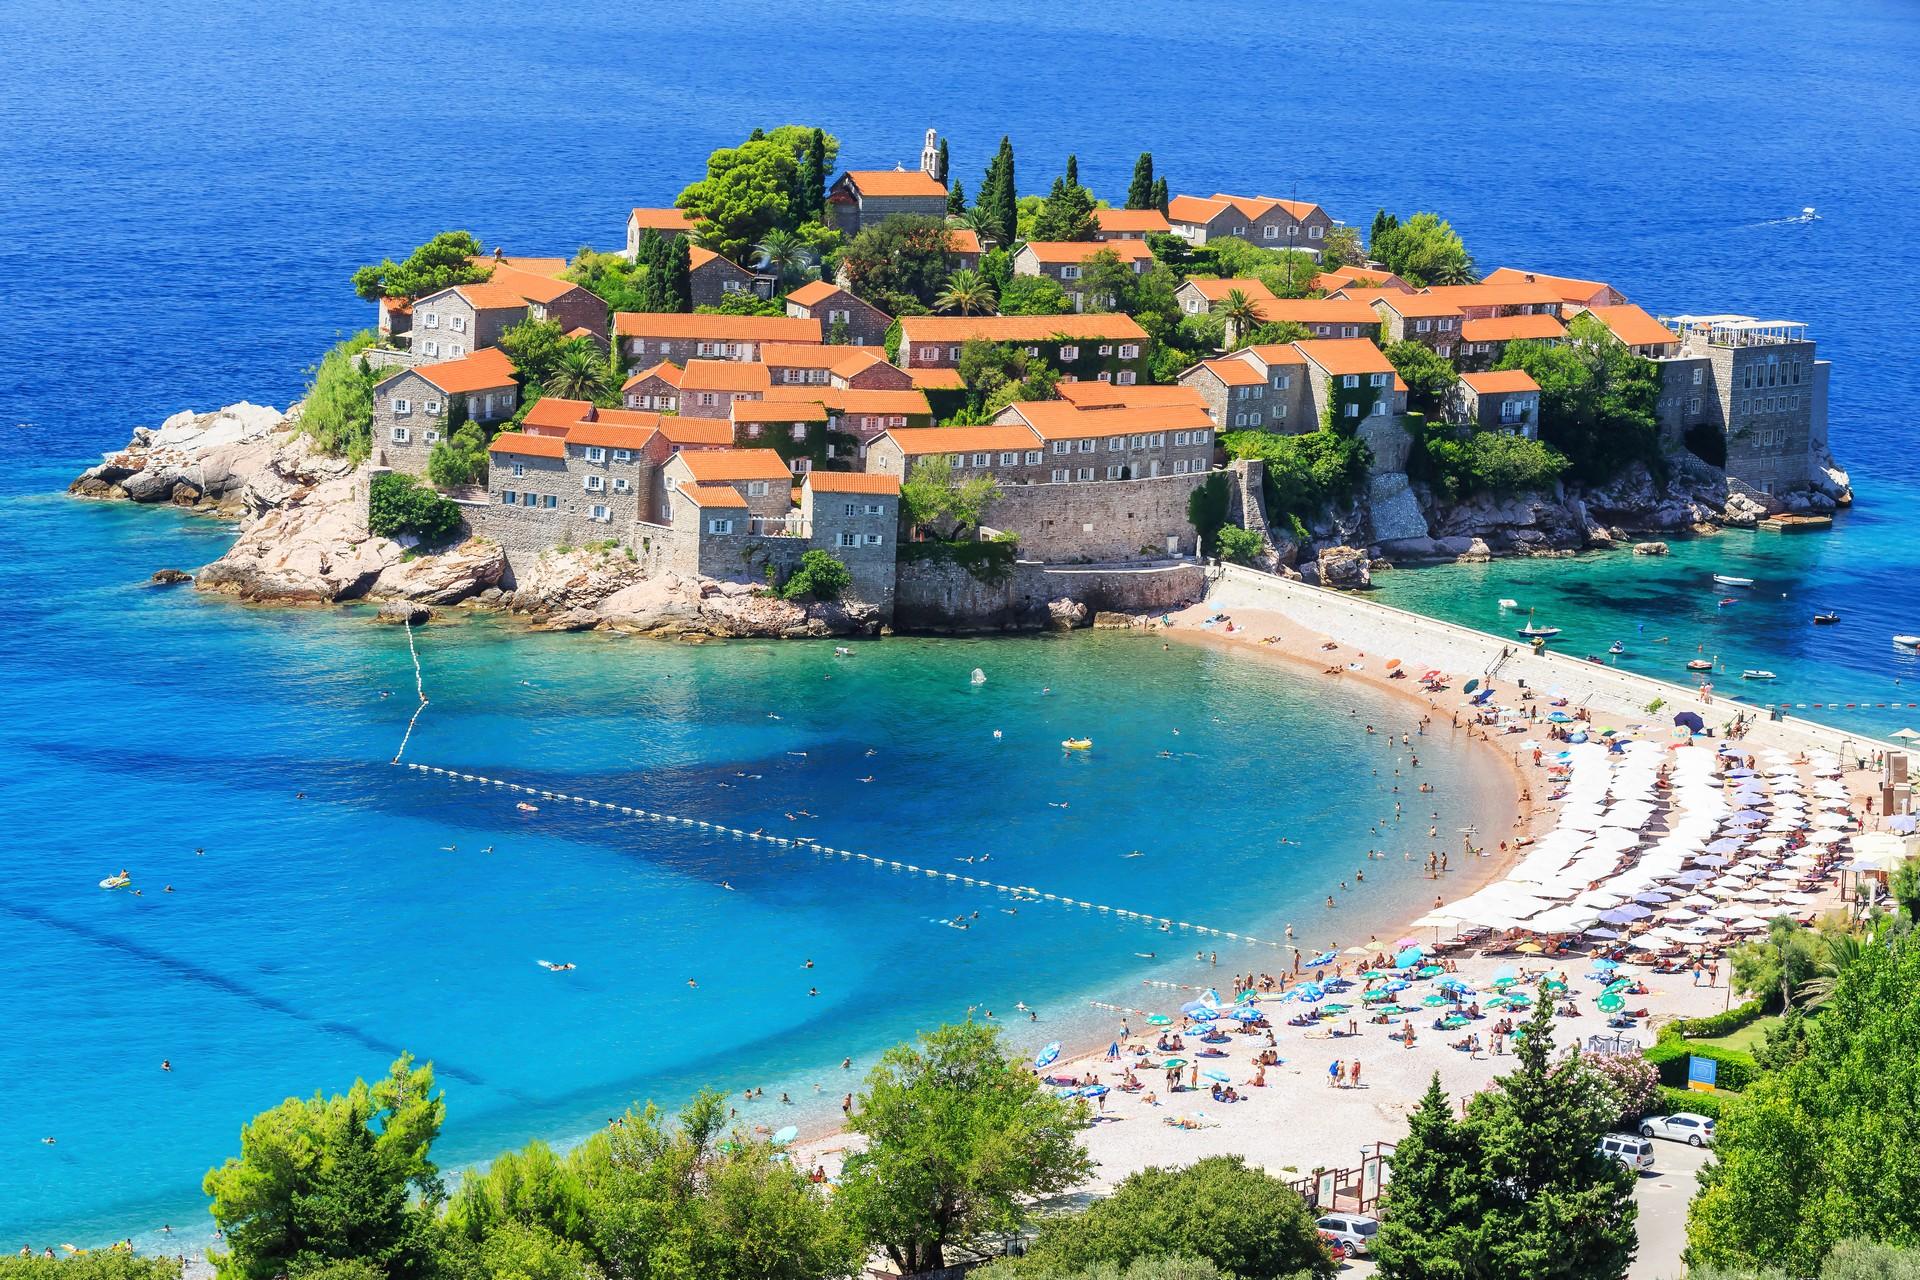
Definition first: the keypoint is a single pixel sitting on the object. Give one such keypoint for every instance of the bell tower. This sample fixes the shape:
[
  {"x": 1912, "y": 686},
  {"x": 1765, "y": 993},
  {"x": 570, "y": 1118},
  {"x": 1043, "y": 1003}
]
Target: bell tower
[{"x": 930, "y": 155}]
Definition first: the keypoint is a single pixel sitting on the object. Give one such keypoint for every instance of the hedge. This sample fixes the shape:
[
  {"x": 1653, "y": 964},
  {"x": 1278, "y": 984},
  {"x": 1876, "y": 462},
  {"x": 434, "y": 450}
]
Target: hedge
[
  {"x": 1670, "y": 1054},
  {"x": 1710, "y": 1105},
  {"x": 1718, "y": 1024}
]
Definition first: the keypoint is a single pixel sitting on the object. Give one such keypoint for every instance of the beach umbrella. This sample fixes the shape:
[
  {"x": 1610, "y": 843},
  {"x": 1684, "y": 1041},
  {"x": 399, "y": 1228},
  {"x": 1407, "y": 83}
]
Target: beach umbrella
[
  {"x": 785, "y": 1136},
  {"x": 1433, "y": 1002},
  {"x": 1094, "y": 1091},
  {"x": 1728, "y": 845},
  {"x": 1392, "y": 663},
  {"x": 1606, "y": 964},
  {"x": 1408, "y": 958},
  {"x": 1690, "y": 720},
  {"x": 1902, "y": 822},
  {"x": 1618, "y": 984},
  {"x": 1529, "y": 948},
  {"x": 1474, "y": 683},
  {"x": 1221, "y": 1076},
  {"x": 1605, "y": 935},
  {"x": 1047, "y": 1055},
  {"x": 1158, "y": 1020},
  {"x": 1173, "y": 1064},
  {"x": 1246, "y": 1015},
  {"x": 1905, "y": 735},
  {"x": 1199, "y": 1010},
  {"x": 1398, "y": 984},
  {"x": 1611, "y": 1003}
]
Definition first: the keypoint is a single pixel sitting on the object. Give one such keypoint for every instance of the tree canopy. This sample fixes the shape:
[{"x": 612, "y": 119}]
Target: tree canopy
[
  {"x": 1430, "y": 377},
  {"x": 337, "y": 411},
  {"x": 1067, "y": 213},
  {"x": 995, "y": 202},
  {"x": 959, "y": 1136},
  {"x": 899, "y": 264},
  {"x": 1140, "y": 189},
  {"x": 1034, "y": 296},
  {"x": 1597, "y": 399},
  {"x": 445, "y": 260},
  {"x": 766, "y": 183},
  {"x": 934, "y": 499},
  {"x": 999, "y": 373},
  {"x": 1423, "y": 250}
]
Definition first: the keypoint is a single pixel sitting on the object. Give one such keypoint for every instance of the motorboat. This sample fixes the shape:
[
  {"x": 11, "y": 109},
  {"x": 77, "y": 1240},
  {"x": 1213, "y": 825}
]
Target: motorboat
[
  {"x": 1826, "y": 619},
  {"x": 1699, "y": 664},
  {"x": 1728, "y": 580},
  {"x": 1616, "y": 648},
  {"x": 1756, "y": 675},
  {"x": 1725, "y": 601},
  {"x": 1907, "y": 642}
]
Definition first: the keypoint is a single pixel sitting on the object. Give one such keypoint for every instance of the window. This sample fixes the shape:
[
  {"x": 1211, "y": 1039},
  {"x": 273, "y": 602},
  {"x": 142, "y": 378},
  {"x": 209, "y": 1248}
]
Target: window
[
  {"x": 1350, "y": 411},
  {"x": 1699, "y": 374},
  {"x": 1239, "y": 393},
  {"x": 799, "y": 431},
  {"x": 1200, "y": 437},
  {"x": 873, "y": 539},
  {"x": 849, "y": 539},
  {"x": 1033, "y": 457},
  {"x": 596, "y": 453},
  {"x": 1126, "y": 378},
  {"x": 1087, "y": 446},
  {"x": 1084, "y": 473},
  {"x": 756, "y": 488},
  {"x": 1180, "y": 467},
  {"x": 623, "y": 455},
  {"x": 719, "y": 524},
  {"x": 457, "y": 323},
  {"x": 1069, "y": 273},
  {"x": 1350, "y": 380},
  {"x": 1069, "y": 353},
  {"x": 1693, "y": 405},
  {"x": 519, "y": 468},
  {"x": 1193, "y": 305},
  {"x": 1116, "y": 473},
  {"x": 593, "y": 484},
  {"x": 620, "y": 484},
  {"x": 1377, "y": 380},
  {"x": 1106, "y": 348},
  {"x": 1270, "y": 232},
  {"x": 1315, "y": 232},
  {"x": 1033, "y": 352},
  {"x": 1446, "y": 324},
  {"x": 433, "y": 348},
  {"x": 1239, "y": 419},
  {"x": 1444, "y": 350},
  {"x": 433, "y": 319},
  {"x": 1253, "y": 419},
  {"x": 402, "y": 406},
  {"x": 953, "y": 353},
  {"x": 1104, "y": 377},
  {"x": 1063, "y": 446},
  {"x": 1009, "y": 459},
  {"x": 1422, "y": 326},
  {"x": 1379, "y": 408},
  {"x": 430, "y": 406},
  {"x": 550, "y": 501},
  {"x": 600, "y": 513},
  {"x": 707, "y": 398},
  {"x": 1130, "y": 351},
  {"x": 753, "y": 430},
  {"x": 1281, "y": 381},
  {"x": 729, "y": 286},
  {"x": 1116, "y": 443},
  {"x": 1059, "y": 475},
  {"x": 455, "y": 349},
  {"x": 401, "y": 435}
]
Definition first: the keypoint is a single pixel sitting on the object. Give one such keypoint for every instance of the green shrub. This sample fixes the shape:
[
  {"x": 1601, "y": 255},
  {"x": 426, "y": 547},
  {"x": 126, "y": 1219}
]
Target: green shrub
[
  {"x": 460, "y": 459},
  {"x": 96, "y": 1264},
  {"x": 1207, "y": 510},
  {"x": 338, "y": 413},
  {"x": 1458, "y": 462},
  {"x": 1670, "y": 1053},
  {"x": 1242, "y": 546},
  {"x": 989, "y": 563},
  {"x": 819, "y": 576},
  {"x": 1723, "y": 1023},
  {"x": 1304, "y": 472},
  {"x": 398, "y": 505},
  {"x": 1710, "y": 1105}
]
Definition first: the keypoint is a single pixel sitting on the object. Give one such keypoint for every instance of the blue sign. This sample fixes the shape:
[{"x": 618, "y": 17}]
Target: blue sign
[{"x": 1702, "y": 1073}]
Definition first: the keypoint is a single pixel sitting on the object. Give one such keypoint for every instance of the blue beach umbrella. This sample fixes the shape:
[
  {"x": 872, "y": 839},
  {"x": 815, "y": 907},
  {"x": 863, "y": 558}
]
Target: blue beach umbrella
[
  {"x": 785, "y": 1136},
  {"x": 1606, "y": 964},
  {"x": 1047, "y": 1055},
  {"x": 1408, "y": 958},
  {"x": 1246, "y": 1015},
  {"x": 1199, "y": 1012},
  {"x": 1094, "y": 1091},
  {"x": 1221, "y": 1076}
]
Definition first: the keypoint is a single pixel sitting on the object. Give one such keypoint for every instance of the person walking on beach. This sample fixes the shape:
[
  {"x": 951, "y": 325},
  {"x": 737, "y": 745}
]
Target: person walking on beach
[
  {"x": 1353, "y": 1074},
  {"x": 1333, "y": 1074}
]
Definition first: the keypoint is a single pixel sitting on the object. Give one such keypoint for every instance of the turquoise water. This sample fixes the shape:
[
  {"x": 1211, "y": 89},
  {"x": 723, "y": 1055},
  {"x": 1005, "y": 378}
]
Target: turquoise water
[{"x": 184, "y": 191}]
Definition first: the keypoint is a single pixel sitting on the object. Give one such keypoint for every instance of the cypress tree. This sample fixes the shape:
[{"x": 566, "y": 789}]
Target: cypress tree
[
  {"x": 1140, "y": 190},
  {"x": 1073, "y": 170},
  {"x": 1006, "y": 193},
  {"x": 647, "y": 255},
  {"x": 678, "y": 294},
  {"x": 813, "y": 203},
  {"x": 1160, "y": 194},
  {"x": 956, "y": 199},
  {"x": 940, "y": 165},
  {"x": 1436, "y": 1197},
  {"x": 1383, "y": 222}
]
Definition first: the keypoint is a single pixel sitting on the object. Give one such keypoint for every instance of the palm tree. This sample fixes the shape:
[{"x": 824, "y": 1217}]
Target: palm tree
[
  {"x": 1836, "y": 951},
  {"x": 783, "y": 255},
  {"x": 1240, "y": 313},
  {"x": 580, "y": 374},
  {"x": 980, "y": 223},
  {"x": 969, "y": 293},
  {"x": 1459, "y": 271}
]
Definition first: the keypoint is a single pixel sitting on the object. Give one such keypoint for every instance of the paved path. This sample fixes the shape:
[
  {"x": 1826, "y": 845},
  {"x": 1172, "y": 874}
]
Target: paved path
[{"x": 1663, "y": 1196}]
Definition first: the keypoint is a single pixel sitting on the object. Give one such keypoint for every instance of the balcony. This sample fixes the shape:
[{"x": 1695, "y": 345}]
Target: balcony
[
  {"x": 777, "y": 527},
  {"x": 1735, "y": 331}
]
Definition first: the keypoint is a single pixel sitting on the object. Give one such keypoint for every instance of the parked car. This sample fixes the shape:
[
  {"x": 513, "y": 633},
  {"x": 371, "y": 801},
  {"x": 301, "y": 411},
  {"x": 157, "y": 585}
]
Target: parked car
[
  {"x": 1629, "y": 1149},
  {"x": 1355, "y": 1230},
  {"x": 1682, "y": 1126},
  {"x": 1337, "y": 1248}
]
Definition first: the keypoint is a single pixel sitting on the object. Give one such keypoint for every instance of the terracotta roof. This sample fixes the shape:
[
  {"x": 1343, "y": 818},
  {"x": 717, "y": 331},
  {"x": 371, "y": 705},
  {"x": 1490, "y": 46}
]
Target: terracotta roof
[
  {"x": 1500, "y": 381},
  {"x": 1058, "y": 420},
  {"x": 855, "y": 399},
  {"x": 528, "y": 446},
  {"x": 709, "y": 432},
  {"x": 1570, "y": 288},
  {"x": 1399, "y": 383},
  {"x": 397, "y": 306},
  {"x": 1634, "y": 326},
  {"x": 712, "y": 495},
  {"x": 964, "y": 240},
  {"x": 724, "y": 375},
  {"x": 779, "y": 411},
  {"x": 626, "y": 417},
  {"x": 1216, "y": 289},
  {"x": 1340, "y": 356},
  {"x": 488, "y": 295},
  {"x": 552, "y": 411},
  {"x": 1105, "y": 395},
  {"x": 1363, "y": 277},
  {"x": 1064, "y": 251},
  {"x": 662, "y": 219},
  {"x": 551, "y": 267},
  {"x": 851, "y": 482},
  {"x": 709, "y": 327},
  {"x": 923, "y": 441},
  {"x": 667, "y": 371},
  {"x": 806, "y": 355},
  {"x": 609, "y": 435},
  {"x": 1494, "y": 295},
  {"x": 1234, "y": 373},
  {"x": 1194, "y": 209},
  {"x": 534, "y": 288},
  {"x": 1320, "y": 311},
  {"x": 726, "y": 465},
  {"x": 937, "y": 379},
  {"x": 698, "y": 258},
  {"x": 895, "y": 182},
  {"x": 482, "y": 371},
  {"x": 814, "y": 291},
  {"x": 1142, "y": 220},
  {"x": 1411, "y": 306},
  {"x": 1110, "y": 326},
  {"x": 1510, "y": 328},
  {"x": 1277, "y": 353}
]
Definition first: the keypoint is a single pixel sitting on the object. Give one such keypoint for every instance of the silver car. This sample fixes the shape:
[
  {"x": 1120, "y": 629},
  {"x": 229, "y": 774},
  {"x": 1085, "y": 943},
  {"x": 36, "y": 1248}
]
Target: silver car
[
  {"x": 1682, "y": 1126},
  {"x": 1354, "y": 1230}
]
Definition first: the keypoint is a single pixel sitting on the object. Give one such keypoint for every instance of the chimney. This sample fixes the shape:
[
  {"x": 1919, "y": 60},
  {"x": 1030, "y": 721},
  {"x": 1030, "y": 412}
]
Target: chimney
[{"x": 1530, "y": 279}]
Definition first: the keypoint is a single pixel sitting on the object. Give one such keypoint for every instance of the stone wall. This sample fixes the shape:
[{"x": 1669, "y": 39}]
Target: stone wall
[
  {"x": 1106, "y": 520},
  {"x": 942, "y": 596}
]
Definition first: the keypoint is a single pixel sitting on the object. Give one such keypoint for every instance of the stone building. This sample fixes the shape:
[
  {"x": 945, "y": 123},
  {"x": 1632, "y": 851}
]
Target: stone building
[
  {"x": 1262, "y": 387},
  {"x": 1347, "y": 381},
  {"x": 1572, "y": 291},
  {"x": 814, "y": 366},
  {"x": 860, "y": 413},
  {"x": 464, "y": 318},
  {"x": 1757, "y": 388},
  {"x": 1483, "y": 342},
  {"x": 656, "y": 388},
  {"x": 1417, "y": 317},
  {"x": 662, "y": 222},
  {"x": 760, "y": 477},
  {"x": 1064, "y": 261},
  {"x": 861, "y": 198},
  {"x": 1011, "y": 454},
  {"x": 1260, "y": 220},
  {"x": 1105, "y": 347},
  {"x": 708, "y": 388},
  {"x": 412, "y": 408},
  {"x": 1129, "y": 224},
  {"x": 553, "y": 490},
  {"x": 1103, "y": 443},
  {"x": 646, "y": 336},
  {"x": 712, "y": 279},
  {"x": 1507, "y": 401},
  {"x": 1198, "y": 295},
  {"x": 865, "y": 325},
  {"x": 856, "y": 517}
]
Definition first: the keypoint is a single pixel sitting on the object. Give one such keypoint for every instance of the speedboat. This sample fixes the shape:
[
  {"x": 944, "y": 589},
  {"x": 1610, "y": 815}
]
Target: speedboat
[
  {"x": 1699, "y": 664},
  {"x": 1616, "y": 648},
  {"x": 1727, "y": 580},
  {"x": 1907, "y": 642},
  {"x": 1826, "y": 619},
  {"x": 1756, "y": 675},
  {"x": 1726, "y": 601}
]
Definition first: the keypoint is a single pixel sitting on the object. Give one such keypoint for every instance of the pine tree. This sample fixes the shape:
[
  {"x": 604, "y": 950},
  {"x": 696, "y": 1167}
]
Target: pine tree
[
  {"x": 940, "y": 165},
  {"x": 956, "y": 199},
  {"x": 758, "y": 135},
  {"x": 813, "y": 196},
  {"x": 678, "y": 293},
  {"x": 1140, "y": 190},
  {"x": 1073, "y": 171},
  {"x": 1436, "y": 1196},
  {"x": 1160, "y": 194}
]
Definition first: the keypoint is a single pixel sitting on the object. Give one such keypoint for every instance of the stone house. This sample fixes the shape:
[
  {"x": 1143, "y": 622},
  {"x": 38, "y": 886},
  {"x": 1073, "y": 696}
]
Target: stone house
[
  {"x": 861, "y": 198},
  {"x": 548, "y": 490},
  {"x": 1120, "y": 443},
  {"x": 795, "y": 429},
  {"x": 1638, "y": 331},
  {"x": 861, "y": 413},
  {"x": 1418, "y": 317},
  {"x": 1129, "y": 224},
  {"x": 1323, "y": 317},
  {"x": 866, "y": 325},
  {"x": 1234, "y": 392},
  {"x": 964, "y": 243},
  {"x": 1104, "y": 395},
  {"x": 1095, "y": 347},
  {"x": 412, "y": 407},
  {"x": 1011, "y": 454},
  {"x": 1507, "y": 401},
  {"x": 464, "y": 318},
  {"x": 680, "y": 337},
  {"x": 1572, "y": 291},
  {"x": 1760, "y": 388},
  {"x": 760, "y": 477},
  {"x": 662, "y": 222},
  {"x": 1491, "y": 301},
  {"x": 576, "y": 307},
  {"x": 1261, "y": 220},
  {"x": 856, "y": 516},
  {"x": 1483, "y": 342},
  {"x": 833, "y": 366},
  {"x": 656, "y": 388},
  {"x": 395, "y": 320},
  {"x": 712, "y": 279},
  {"x": 1348, "y": 380},
  {"x": 1354, "y": 278},
  {"x": 708, "y": 388},
  {"x": 1065, "y": 260},
  {"x": 1198, "y": 295}
]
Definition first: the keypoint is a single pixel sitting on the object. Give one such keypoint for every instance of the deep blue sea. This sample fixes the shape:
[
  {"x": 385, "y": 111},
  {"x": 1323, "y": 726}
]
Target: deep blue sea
[{"x": 184, "y": 189}]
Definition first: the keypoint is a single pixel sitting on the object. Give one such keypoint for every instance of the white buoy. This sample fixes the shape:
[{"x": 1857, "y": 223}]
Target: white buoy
[{"x": 979, "y": 676}]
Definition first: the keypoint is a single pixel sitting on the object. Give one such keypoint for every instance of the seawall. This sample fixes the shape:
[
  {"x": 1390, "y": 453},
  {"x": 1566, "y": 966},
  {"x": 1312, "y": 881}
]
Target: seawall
[{"x": 944, "y": 597}]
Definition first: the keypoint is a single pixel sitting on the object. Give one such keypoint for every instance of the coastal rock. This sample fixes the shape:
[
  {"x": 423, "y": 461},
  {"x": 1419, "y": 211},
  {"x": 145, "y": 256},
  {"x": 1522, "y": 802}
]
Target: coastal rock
[
  {"x": 446, "y": 577},
  {"x": 1650, "y": 548},
  {"x": 1476, "y": 552},
  {"x": 1413, "y": 548},
  {"x": 169, "y": 577},
  {"x": 1065, "y": 614},
  {"x": 1342, "y": 566},
  {"x": 584, "y": 589},
  {"x": 191, "y": 459},
  {"x": 307, "y": 541},
  {"x": 1742, "y": 512},
  {"x": 1105, "y": 620},
  {"x": 395, "y": 612}
]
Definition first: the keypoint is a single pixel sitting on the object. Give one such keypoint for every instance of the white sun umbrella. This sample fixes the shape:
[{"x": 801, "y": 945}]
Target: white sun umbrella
[
  {"x": 1803, "y": 860},
  {"x": 1754, "y": 895},
  {"x": 1831, "y": 821},
  {"x": 1752, "y": 924},
  {"x": 1678, "y": 915},
  {"x": 1698, "y": 902},
  {"x": 1798, "y": 899}
]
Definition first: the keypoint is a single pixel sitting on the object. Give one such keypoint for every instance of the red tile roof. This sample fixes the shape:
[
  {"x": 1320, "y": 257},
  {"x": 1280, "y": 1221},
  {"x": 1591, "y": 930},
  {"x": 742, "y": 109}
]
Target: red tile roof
[
  {"x": 516, "y": 442},
  {"x": 551, "y": 267},
  {"x": 937, "y": 379},
  {"x": 667, "y": 371},
  {"x": 490, "y": 295},
  {"x": 1106, "y": 395},
  {"x": 854, "y": 399},
  {"x": 851, "y": 482},
  {"x": 964, "y": 240},
  {"x": 1494, "y": 295},
  {"x": 552, "y": 411},
  {"x": 1196, "y": 210},
  {"x": 1215, "y": 289},
  {"x": 1140, "y": 220},
  {"x": 1362, "y": 277},
  {"x": 1234, "y": 372},
  {"x": 1340, "y": 356},
  {"x": 1411, "y": 306},
  {"x": 1570, "y": 288},
  {"x": 1058, "y": 420},
  {"x": 662, "y": 219},
  {"x": 1634, "y": 326},
  {"x": 712, "y": 495},
  {"x": 610, "y": 435},
  {"x": 484, "y": 370},
  {"x": 1512, "y": 328},
  {"x": 1500, "y": 381},
  {"x": 1319, "y": 311},
  {"x": 922, "y": 441},
  {"x": 814, "y": 291},
  {"x": 1055, "y": 252},
  {"x": 895, "y": 182},
  {"x": 701, "y": 432},
  {"x": 698, "y": 258},
  {"x": 709, "y": 327},
  {"x": 726, "y": 465},
  {"x": 1276, "y": 353},
  {"x": 1109, "y": 326},
  {"x": 779, "y": 411}
]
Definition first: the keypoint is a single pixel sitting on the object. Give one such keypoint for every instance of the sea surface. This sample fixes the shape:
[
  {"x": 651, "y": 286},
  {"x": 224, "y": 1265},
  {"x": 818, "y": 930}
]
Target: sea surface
[{"x": 184, "y": 190}]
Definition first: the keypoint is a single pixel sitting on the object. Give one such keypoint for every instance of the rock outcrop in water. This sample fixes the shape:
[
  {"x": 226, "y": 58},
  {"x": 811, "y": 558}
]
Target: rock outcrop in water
[{"x": 190, "y": 460}]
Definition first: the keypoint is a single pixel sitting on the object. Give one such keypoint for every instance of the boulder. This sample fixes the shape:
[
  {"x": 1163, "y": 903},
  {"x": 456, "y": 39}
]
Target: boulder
[
  {"x": 1650, "y": 548},
  {"x": 1743, "y": 512},
  {"x": 1106, "y": 620},
  {"x": 307, "y": 540},
  {"x": 1477, "y": 552},
  {"x": 446, "y": 577},
  {"x": 191, "y": 459},
  {"x": 169, "y": 577},
  {"x": 395, "y": 612},
  {"x": 1065, "y": 614},
  {"x": 1340, "y": 566}
]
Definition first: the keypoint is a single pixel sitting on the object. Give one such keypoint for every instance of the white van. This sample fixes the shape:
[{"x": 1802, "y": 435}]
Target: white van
[{"x": 1629, "y": 1149}]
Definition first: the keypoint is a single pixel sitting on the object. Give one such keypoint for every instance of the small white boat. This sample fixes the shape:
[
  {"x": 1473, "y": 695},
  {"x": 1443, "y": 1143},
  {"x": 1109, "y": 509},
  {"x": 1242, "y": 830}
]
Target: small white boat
[
  {"x": 1616, "y": 648},
  {"x": 1509, "y": 604},
  {"x": 1531, "y": 630},
  {"x": 1727, "y": 580},
  {"x": 1907, "y": 642},
  {"x": 1756, "y": 675},
  {"x": 1699, "y": 664},
  {"x": 979, "y": 676}
]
